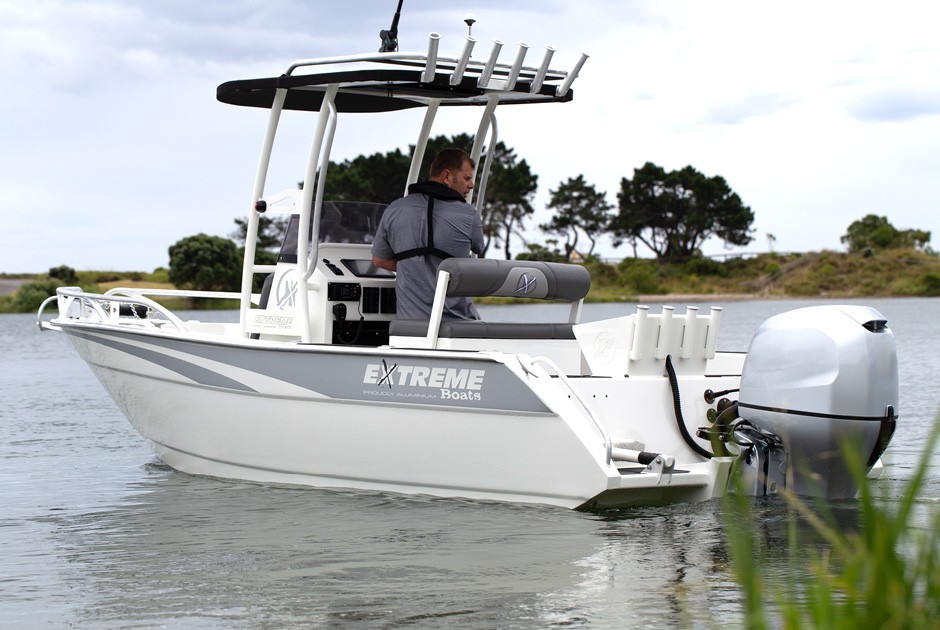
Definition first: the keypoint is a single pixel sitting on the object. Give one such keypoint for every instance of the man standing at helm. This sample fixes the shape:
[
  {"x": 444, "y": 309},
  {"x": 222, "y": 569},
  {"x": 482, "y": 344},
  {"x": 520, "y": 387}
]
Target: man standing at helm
[{"x": 431, "y": 223}]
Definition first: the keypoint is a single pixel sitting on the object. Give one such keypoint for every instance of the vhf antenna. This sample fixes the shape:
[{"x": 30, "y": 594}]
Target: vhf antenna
[{"x": 390, "y": 37}]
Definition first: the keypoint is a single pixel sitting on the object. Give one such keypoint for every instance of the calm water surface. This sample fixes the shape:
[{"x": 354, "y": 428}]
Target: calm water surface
[{"x": 95, "y": 532}]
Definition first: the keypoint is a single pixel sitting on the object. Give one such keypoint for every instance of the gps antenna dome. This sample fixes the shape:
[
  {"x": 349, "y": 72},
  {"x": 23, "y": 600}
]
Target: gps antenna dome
[{"x": 470, "y": 19}]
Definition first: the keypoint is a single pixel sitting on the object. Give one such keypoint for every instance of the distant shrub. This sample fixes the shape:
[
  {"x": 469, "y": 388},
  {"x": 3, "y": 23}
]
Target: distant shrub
[
  {"x": 602, "y": 273},
  {"x": 694, "y": 284},
  {"x": 705, "y": 267},
  {"x": 30, "y": 295},
  {"x": 160, "y": 274},
  {"x": 641, "y": 274},
  {"x": 826, "y": 277},
  {"x": 205, "y": 263},
  {"x": 772, "y": 268},
  {"x": 801, "y": 287},
  {"x": 65, "y": 274},
  {"x": 537, "y": 251},
  {"x": 931, "y": 282},
  {"x": 591, "y": 258},
  {"x": 870, "y": 286},
  {"x": 737, "y": 264}
]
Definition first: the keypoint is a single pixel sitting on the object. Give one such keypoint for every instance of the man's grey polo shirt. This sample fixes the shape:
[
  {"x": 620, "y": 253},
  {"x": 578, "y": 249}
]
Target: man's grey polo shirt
[{"x": 458, "y": 230}]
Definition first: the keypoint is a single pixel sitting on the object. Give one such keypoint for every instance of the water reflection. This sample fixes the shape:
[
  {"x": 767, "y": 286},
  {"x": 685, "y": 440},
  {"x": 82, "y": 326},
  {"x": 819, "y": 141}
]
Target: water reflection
[
  {"x": 220, "y": 553},
  {"x": 92, "y": 535},
  {"x": 215, "y": 552}
]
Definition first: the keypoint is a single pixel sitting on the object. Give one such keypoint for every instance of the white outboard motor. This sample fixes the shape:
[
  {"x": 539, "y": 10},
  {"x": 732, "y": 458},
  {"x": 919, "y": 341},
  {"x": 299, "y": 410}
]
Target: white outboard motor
[{"x": 818, "y": 378}]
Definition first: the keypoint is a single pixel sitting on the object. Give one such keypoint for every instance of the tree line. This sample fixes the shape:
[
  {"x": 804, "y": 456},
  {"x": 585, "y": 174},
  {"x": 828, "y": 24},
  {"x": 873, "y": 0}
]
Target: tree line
[{"x": 669, "y": 213}]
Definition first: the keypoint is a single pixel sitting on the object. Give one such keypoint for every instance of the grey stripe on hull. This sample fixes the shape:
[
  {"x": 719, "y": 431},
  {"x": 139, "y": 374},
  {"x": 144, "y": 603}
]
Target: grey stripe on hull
[
  {"x": 380, "y": 376},
  {"x": 184, "y": 368}
]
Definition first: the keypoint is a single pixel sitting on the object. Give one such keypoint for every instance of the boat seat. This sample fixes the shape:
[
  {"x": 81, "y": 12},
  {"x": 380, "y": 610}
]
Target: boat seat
[
  {"x": 265, "y": 296},
  {"x": 480, "y": 277},
  {"x": 476, "y": 329}
]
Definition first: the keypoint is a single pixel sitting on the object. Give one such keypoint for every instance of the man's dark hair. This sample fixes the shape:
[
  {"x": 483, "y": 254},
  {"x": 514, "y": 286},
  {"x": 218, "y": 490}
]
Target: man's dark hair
[{"x": 449, "y": 160}]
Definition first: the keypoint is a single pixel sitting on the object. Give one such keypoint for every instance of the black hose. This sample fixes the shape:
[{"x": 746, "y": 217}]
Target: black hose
[
  {"x": 674, "y": 383},
  {"x": 343, "y": 336}
]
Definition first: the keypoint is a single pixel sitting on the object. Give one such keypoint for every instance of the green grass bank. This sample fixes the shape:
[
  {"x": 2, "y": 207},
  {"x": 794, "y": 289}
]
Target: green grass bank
[{"x": 825, "y": 274}]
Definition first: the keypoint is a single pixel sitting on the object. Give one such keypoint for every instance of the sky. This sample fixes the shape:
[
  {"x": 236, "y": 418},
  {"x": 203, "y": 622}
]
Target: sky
[{"x": 113, "y": 146}]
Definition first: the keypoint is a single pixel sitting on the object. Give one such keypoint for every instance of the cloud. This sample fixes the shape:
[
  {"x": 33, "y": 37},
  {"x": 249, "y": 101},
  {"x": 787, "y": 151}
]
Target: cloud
[
  {"x": 115, "y": 148},
  {"x": 896, "y": 104},
  {"x": 746, "y": 107}
]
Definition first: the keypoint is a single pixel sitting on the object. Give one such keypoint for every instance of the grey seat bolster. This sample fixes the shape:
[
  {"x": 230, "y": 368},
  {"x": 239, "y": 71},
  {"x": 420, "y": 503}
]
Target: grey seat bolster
[
  {"x": 475, "y": 329},
  {"x": 473, "y": 277}
]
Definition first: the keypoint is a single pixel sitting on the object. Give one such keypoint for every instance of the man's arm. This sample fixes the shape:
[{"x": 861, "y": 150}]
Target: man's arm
[
  {"x": 382, "y": 252},
  {"x": 477, "y": 240},
  {"x": 391, "y": 265}
]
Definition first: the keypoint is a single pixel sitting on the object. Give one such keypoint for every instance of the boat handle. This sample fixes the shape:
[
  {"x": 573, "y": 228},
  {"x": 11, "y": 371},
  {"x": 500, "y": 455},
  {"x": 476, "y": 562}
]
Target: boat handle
[
  {"x": 94, "y": 301},
  {"x": 546, "y": 362}
]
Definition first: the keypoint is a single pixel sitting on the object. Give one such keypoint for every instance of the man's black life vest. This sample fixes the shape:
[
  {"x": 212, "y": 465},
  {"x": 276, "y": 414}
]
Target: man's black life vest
[{"x": 434, "y": 190}]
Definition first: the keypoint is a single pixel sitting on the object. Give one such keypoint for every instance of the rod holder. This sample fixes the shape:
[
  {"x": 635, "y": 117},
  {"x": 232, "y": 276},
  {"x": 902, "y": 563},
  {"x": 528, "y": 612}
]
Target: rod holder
[
  {"x": 516, "y": 66},
  {"x": 689, "y": 333},
  {"x": 711, "y": 337},
  {"x": 564, "y": 87},
  {"x": 542, "y": 71},
  {"x": 456, "y": 77},
  {"x": 665, "y": 332},
  {"x": 639, "y": 333},
  {"x": 490, "y": 64},
  {"x": 434, "y": 40}
]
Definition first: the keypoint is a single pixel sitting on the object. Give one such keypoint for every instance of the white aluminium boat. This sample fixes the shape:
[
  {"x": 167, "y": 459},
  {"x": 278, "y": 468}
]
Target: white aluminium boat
[{"x": 318, "y": 384}]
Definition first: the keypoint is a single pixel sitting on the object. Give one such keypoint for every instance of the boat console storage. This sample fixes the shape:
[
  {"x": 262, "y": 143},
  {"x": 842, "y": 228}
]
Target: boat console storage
[{"x": 354, "y": 299}]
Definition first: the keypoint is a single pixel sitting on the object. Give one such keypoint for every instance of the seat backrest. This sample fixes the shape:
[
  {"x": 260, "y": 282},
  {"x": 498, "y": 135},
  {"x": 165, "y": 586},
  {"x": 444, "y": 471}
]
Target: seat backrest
[{"x": 478, "y": 277}]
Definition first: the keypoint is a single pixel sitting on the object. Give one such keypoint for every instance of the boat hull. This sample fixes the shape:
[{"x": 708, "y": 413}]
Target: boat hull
[{"x": 472, "y": 425}]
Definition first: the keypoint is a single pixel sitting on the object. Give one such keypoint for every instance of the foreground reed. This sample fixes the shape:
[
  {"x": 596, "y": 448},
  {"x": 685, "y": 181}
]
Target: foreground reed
[{"x": 885, "y": 575}]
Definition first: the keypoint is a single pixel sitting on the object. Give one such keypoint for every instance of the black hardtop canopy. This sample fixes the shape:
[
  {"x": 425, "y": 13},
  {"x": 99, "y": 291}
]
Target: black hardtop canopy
[
  {"x": 372, "y": 83},
  {"x": 387, "y": 82}
]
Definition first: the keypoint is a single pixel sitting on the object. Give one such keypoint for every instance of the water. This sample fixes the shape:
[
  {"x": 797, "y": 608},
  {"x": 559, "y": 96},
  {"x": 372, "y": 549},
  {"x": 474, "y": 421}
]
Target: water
[{"x": 95, "y": 532}]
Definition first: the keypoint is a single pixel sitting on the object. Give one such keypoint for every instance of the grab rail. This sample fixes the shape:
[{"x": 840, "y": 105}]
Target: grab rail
[
  {"x": 220, "y": 295},
  {"x": 545, "y": 361},
  {"x": 429, "y": 62},
  {"x": 94, "y": 302}
]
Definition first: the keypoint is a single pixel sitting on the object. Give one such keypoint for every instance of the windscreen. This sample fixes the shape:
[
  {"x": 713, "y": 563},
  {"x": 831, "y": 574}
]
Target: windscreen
[{"x": 340, "y": 222}]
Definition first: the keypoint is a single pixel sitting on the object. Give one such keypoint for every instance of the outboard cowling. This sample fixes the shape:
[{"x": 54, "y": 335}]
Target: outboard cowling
[{"x": 819, "y": 377}]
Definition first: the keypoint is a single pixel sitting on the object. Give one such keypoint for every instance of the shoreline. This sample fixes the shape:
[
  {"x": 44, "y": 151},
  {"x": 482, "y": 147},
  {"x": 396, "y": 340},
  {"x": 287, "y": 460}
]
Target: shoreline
[
  {"x": 10, "y": 286},
  {"x": 753, "y": 297},
  {"x": 712, "y": 297}
]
